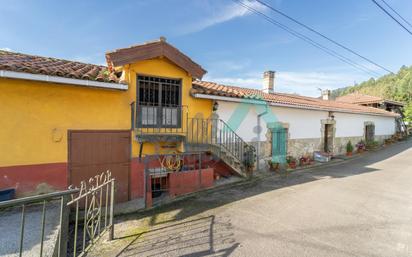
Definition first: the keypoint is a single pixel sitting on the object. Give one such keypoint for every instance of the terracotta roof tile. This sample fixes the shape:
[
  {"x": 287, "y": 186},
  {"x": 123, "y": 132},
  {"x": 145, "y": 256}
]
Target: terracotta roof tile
[
  {"x": 211, "y": 88},
  {"x": 358, "y": 98},
  {"x": 154, "y": 49},
  {"x": 18, "y": 62}
]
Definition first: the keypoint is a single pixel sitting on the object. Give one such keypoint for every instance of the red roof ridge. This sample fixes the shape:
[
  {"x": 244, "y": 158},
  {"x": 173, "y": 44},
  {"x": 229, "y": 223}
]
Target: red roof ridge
[
  {"x": 213, "y": 88},
  {"x": 35, "y": 64},
  {"x": 53, "y": 58},
  {"x": 153, "y": 49}
]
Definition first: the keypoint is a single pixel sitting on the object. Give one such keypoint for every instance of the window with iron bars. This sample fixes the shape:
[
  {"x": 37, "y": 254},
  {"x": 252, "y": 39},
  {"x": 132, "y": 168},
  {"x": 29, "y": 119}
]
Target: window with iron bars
[{"x": 158, "y": 102}]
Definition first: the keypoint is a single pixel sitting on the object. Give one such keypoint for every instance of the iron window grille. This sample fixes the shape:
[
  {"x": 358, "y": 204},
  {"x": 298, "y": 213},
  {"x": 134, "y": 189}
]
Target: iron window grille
[{"x": 158, "y": 102}]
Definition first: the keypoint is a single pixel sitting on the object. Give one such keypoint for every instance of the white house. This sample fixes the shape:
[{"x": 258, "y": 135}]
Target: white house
[{"x": 298, "y": 125}]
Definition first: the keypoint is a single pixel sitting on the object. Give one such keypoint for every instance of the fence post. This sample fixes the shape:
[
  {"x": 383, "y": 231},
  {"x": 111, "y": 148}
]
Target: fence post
[
  {"x": 111, "y": 225},
  {"x": 200, "y": 170},
  {"x": 64, "y": 226}
]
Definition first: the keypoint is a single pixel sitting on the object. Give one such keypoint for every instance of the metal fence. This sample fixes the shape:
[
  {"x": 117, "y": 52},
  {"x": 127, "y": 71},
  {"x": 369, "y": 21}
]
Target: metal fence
[
  {"x": 96, "y": 199},
  {"x": 157, "y": 168},
  {"x": 88, "y": 203},
  {"x": 216, "y": 132}
]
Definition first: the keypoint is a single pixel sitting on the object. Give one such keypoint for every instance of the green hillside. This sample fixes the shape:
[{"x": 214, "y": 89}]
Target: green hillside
[{"x": 397, "y": 87}]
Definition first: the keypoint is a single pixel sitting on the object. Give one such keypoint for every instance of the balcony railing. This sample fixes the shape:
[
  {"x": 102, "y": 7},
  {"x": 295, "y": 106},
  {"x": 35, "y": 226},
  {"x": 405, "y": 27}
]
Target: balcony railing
[
  {"x": 154, "y": 119},
  {"x": 215, "y": 134}
]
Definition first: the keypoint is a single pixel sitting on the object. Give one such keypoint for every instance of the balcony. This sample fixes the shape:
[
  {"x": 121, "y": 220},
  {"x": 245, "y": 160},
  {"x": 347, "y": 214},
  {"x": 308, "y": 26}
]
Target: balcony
[{"x": 159, "y": 123}]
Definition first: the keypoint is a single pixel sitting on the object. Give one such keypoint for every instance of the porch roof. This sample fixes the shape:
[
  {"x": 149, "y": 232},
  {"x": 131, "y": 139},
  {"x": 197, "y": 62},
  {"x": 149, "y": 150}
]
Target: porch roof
[{"x": 154, "y": 49}]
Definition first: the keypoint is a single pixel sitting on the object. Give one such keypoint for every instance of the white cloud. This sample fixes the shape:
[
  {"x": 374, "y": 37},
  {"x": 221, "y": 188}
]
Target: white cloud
[
  {"x": 303, "y": 83},
  {"x": 220, "y": 14},
  {"x": 6, "y": 49}
]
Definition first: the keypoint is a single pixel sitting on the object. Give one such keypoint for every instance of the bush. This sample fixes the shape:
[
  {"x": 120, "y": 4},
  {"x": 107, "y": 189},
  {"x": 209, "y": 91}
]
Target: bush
[
  {"x": 349, "y": 147},
  {"x": 372, "y": 144}
]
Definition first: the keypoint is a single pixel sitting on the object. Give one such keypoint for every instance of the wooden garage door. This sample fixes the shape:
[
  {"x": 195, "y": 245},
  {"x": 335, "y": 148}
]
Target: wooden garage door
[{"x": 93, "y": 152}]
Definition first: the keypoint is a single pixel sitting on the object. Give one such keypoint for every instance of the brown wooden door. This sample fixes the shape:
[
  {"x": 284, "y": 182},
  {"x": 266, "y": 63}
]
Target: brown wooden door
[
  {"x": 94, "y": 152},
  {"x": 328, "y": 138}
]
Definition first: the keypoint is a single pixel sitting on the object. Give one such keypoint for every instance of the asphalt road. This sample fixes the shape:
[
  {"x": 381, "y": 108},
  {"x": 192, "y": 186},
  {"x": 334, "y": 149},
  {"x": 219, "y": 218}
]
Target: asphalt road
[{"x": 362, "y": 207}]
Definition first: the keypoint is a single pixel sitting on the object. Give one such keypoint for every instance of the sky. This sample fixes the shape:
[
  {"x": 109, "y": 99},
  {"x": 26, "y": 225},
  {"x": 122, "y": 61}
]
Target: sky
[{"x": 234, "y": 45}]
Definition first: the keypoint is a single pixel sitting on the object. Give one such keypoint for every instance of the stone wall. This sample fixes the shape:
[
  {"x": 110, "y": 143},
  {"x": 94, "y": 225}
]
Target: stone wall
[{"x": 306, "y": 146}]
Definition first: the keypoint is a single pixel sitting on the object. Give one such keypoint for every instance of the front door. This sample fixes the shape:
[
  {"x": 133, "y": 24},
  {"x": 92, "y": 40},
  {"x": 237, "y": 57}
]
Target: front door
[
  {"x": 369, "y": 133},
  {"x": 328, "y": 138},
  {"x": 279, "y": 145}
]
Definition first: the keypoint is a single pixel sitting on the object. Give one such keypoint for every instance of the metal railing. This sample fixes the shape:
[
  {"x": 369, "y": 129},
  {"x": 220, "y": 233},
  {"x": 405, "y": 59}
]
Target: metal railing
[
  {"x": 158, "y": 119},
  {"x": 218, "y": 133},
  {"x": 158, "y": 167},
  {"x": 93, "y": 197},
  {"x": 88, "y": 202},
  {"x": 23, "y": 203},
  {"x": 174, "y": 120}
]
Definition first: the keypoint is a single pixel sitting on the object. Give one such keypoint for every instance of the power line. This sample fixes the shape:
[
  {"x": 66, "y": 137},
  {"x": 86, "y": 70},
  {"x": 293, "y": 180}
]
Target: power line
[
  {"x": 309, "y": 40},
  {"x": 400, "y": 16},
  {"x": 323, "y": 36},
  {"x": 390, "y": 15}
]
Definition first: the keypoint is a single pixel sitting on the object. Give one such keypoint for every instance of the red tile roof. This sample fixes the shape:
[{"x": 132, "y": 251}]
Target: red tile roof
[
  {"x": 154, "y": 49},
  {"x": 211, "y": 88},
  {"x": 18, "y": 62},
  {"x": 357, "y": 98}
]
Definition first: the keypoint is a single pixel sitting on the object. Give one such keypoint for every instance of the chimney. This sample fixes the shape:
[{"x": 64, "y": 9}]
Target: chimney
[
  {"x": 269, "y": 82},
  {"x": 326, "y": 94}
]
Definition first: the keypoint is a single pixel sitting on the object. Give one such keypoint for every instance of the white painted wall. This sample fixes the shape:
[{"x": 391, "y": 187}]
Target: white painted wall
[
  {"x": 352, "y": 125},
  {"x": 302, "y": 123}
]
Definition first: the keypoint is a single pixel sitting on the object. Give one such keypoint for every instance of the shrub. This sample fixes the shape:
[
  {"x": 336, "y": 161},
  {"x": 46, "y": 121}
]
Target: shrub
[
  {"x": 349, "y": 147},
  {"x": 372, "y": 144}
]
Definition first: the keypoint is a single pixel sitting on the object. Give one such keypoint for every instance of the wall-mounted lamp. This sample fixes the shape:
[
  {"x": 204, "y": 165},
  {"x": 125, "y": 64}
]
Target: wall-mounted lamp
[
  {"x": 331, "y": 116},
  {"x": 215, "y": 106}
]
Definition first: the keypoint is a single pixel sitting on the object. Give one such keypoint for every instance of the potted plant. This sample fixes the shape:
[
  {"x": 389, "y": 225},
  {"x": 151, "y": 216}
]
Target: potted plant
[
  {"x": 360, "y": 146},
  {"x": 349, "y": 148},
  {"x": 273, "y": 166},
  {"x": 305, "y": 160},
  {"x": 249, "y": 159},
  {"x": 291, "y": 161}
]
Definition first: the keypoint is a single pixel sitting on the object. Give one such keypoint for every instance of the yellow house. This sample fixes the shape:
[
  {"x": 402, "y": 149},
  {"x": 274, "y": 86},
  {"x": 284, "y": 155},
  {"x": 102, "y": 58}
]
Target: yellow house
[{"x": 64, "y": 121}]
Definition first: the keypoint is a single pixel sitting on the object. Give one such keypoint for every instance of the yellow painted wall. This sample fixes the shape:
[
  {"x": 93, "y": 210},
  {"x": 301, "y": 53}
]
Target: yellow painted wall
[
  {"x": 164, "y": 68},
  {"x": 34, "y": 114},
  {"x": 31, "y": 112}
]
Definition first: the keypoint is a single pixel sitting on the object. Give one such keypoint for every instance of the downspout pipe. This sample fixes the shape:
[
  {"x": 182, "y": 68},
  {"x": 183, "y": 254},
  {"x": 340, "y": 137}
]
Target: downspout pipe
[{"x": 259, "y": 132}]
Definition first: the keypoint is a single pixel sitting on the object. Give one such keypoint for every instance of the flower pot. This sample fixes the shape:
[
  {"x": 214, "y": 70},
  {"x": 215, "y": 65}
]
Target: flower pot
[
  {"x": 274, "y": 166},
  {"x": 349, "y": 154}
]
